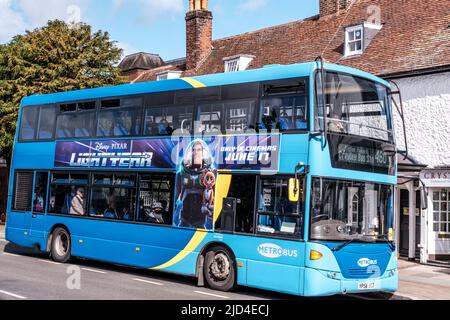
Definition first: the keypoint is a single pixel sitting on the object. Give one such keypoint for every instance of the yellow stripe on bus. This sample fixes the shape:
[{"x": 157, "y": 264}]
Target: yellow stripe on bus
[
  {"x": 222, "y": 188},
  {"x": 195, "y": 83}
]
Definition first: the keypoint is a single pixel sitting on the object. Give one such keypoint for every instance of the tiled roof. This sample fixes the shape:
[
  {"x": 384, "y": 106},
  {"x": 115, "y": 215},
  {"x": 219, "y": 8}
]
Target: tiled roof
[{"x": 415, "y": 36}]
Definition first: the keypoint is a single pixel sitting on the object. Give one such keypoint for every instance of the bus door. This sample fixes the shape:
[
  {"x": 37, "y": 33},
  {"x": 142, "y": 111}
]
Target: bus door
[
  {"x": 39, "y": 201},
  {"x": 268, "y": 243}
]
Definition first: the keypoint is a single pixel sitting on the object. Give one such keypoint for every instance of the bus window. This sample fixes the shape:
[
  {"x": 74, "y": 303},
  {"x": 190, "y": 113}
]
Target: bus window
[
  {"x": 119, "y": 123},
  {"x": 40, "y": 192},
  {"x": 209, "y": 119},
  {"x": 284, "y": 113},
  {"x": 23, "y": 185},
  {"x": 239, "y": 116},
  {"x": 46, "y": 123},
  {"x": 113, "y": 198},
  {"x": 277, "y": 215},
  {"x": 155, "y": 198},
  {"x": 68, "y": 193},
  {"x": 74, "y": 125},
  {"x": 29, "y": 123},
  {"x": 163, "y": 121}
]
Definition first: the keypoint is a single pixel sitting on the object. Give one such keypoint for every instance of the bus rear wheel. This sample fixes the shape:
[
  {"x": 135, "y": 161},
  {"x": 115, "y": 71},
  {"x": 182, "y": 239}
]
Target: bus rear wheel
[
  {"x": 219, "y": 269},
  {"x": 61, "y": 245}
]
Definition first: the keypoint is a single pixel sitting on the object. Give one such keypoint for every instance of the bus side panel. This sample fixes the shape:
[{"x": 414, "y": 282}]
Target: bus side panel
[
  {"x": 277, "y": 277},
  {"x": 137, "y": 245}
]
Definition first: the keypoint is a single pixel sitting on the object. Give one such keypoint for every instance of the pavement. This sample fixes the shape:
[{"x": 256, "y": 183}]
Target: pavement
[
  {"x": 26, "y": 274},
  {"x": 422, "y": 282}
]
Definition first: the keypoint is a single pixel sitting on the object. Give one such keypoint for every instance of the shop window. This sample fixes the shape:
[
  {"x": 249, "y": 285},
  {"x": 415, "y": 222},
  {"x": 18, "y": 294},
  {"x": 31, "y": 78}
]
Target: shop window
[{"x": 441, "y": 210}]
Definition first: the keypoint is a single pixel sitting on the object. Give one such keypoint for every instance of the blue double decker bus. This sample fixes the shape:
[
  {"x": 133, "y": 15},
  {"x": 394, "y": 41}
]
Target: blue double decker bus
[{"x": 279, "y": 178}]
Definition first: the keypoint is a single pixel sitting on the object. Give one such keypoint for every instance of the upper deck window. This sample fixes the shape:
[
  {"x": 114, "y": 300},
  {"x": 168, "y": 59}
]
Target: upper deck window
[
  {"x": 284, "y": 107},
  {"x": 358, "y": 107},
  {"x": 229, "y": 117},
  {"x": 37, "y": 123}
]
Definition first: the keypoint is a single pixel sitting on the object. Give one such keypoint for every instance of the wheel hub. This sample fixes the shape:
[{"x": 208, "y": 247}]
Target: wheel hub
[{"x": 220, "y": 267}]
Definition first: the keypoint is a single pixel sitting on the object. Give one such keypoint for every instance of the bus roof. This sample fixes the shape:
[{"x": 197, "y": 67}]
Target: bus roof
[{"x": 272, "y": 72}]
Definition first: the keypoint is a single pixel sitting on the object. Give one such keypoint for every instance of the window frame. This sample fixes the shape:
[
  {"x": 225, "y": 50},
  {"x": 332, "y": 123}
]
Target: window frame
[
  {"x": 440, "y": 211},
  {"x": 90, "y": 185},
  {"x": 174, "y": 106},
  {"x": 258, "y": 212},
  {"x": 224, "y": 110},
  {"x": 347, "y": 180},
  {"x": 263, "y": 95},
  {"x": 76, "y": 112},
  {"x": 47, "y": 190},
  {"x": 348, "y": 31},
  {"x": 38, "y": 123}
]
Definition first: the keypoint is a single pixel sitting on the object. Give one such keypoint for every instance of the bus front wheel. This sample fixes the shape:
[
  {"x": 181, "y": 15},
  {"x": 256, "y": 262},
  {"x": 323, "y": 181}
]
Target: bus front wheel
[
  {"x": 219, "y": 269},
  {"x": 61, "y": 245}
]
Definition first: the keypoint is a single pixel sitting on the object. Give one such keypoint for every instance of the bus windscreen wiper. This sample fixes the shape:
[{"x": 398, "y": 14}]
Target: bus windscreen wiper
[
  {"x": 335, "y": 249},
  {"x": 339, "y": 247}
]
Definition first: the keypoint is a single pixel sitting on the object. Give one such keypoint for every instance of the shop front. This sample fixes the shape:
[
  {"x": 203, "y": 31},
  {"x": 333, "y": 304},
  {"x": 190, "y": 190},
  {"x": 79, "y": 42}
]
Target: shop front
[{"x": 437, "y": 183}]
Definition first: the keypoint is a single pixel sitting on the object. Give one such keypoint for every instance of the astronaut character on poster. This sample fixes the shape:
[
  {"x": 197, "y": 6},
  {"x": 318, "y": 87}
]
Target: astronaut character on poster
[{"x": 195, "y": 186}]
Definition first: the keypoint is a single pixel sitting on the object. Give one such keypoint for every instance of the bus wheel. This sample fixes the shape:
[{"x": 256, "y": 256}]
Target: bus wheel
[
  {"x": 219, "y": 269},
  {"x": 61, "y": 245}
]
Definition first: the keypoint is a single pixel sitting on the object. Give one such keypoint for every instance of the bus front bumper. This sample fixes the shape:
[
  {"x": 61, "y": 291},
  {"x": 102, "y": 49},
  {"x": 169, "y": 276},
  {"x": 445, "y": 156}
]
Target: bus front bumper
[{"x": 324, "y": 283}]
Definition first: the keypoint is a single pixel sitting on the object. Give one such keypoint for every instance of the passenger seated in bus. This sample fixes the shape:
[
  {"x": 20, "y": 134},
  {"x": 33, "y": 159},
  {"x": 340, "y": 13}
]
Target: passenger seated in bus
[
  {"x": 105, "y": 125},
  {"x": 68, "y": 201},
  {"x": 77, "y": 205},
  {"x": 126, "y": 214},
  {"x": 111, "y": 211},
  {"x": 122, "y": 126}
]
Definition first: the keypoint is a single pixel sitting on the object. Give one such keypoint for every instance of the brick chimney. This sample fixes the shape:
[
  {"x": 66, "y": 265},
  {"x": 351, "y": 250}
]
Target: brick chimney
[
  {"x": 198, "y": 33},
  {"x": 328, "y": 7}
]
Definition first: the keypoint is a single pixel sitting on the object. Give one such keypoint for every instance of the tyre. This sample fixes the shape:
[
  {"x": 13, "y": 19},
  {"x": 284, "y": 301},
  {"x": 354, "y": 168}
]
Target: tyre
[
  {"x": 219, "y": 269},
  {"x": 61, "y": 245}
]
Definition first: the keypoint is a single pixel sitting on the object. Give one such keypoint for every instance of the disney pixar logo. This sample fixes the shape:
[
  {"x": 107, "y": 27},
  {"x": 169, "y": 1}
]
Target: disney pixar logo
[
  {"x": 365, "y": 262},
  {"x": 270, "y": 250}
]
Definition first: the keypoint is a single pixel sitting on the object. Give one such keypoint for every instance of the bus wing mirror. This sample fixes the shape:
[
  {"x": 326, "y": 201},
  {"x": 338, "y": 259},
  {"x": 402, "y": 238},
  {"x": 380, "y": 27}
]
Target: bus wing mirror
[{"x": 294, "y": 190}]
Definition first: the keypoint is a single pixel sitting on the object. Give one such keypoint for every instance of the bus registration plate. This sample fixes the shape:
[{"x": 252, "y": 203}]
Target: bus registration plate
[{"x": 366, "y": 285}]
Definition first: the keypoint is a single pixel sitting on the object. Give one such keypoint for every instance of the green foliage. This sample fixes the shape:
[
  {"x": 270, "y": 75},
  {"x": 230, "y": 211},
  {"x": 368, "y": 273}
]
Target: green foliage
[{"x": 55, "y": 58}]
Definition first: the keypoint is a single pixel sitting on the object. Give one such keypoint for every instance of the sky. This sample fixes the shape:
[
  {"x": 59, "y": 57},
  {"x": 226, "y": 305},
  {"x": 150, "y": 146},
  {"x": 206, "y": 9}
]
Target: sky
[{"x": 155, "y": 26}]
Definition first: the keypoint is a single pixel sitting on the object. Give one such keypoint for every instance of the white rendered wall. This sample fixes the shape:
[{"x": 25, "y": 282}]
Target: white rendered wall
[{"x": 427, "y": 115}]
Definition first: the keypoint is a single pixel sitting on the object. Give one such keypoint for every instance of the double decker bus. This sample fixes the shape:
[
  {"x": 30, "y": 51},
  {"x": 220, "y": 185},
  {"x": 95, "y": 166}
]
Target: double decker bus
[{"x": 278, "y": 178}]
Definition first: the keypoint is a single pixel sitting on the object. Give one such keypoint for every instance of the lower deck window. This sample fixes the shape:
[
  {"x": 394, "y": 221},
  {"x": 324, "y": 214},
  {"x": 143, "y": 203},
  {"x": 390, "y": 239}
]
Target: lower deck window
[{"x": 278, "y": 215}]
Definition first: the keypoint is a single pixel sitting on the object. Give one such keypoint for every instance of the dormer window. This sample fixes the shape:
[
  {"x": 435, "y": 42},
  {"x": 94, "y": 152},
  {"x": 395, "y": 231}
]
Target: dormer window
[
  {"x": 168, "y": 75},
  {"x": 237, "y": 63},
  {"x": 358, "y": 38},
  {"x": 354, "y": 40}
]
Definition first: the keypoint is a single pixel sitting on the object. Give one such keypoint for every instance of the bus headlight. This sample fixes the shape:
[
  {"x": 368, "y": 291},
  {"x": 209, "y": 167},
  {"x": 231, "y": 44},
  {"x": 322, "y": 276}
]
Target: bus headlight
[{"x": 315, "y": 255}]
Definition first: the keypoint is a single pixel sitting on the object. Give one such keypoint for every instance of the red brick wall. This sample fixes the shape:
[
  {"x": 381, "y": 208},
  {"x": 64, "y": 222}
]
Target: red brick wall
[
  {"x": 198, "y": 37},
  {"x": 328, "y": 7}
]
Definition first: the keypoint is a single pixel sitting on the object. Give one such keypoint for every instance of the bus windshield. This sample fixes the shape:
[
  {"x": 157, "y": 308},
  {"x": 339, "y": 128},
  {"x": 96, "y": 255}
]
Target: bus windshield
[
  {"x": 356, "y": 106},
  {"x": 347, "y": 210}
]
